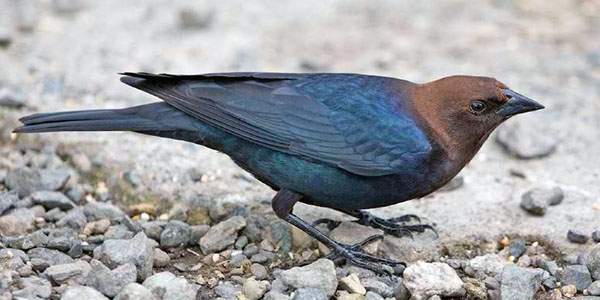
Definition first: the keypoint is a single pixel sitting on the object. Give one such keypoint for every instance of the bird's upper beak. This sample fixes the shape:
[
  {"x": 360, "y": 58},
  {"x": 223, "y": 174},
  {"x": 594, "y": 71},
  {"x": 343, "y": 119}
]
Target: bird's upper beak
[{"x": 517, "y": 104}]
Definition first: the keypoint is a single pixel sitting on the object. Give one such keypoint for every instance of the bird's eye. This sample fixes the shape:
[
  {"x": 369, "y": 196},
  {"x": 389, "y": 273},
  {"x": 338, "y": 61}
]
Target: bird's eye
[{"x": 477, "y": 106}]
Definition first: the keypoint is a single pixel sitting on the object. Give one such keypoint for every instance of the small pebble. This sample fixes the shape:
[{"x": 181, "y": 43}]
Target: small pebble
[
  {"x": 596, "y": 236},
  {"x": 577, "y": 236}
]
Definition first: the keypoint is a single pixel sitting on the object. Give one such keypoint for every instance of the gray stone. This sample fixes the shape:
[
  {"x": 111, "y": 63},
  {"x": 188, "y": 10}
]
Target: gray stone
[
  {"x": 54, "y": 215},
  {"x": 133, "y": 291},
  {"x": 74, "y": 273},
  {"x": 175, "y": 234},
  {"x": 577, "y": 236},
  {"x": 4, "y": 253},
  {"x": 16, "y": 264},
  {"x": 190, "y": 18},
  {"x": 227, "y": 290},
  {"x": 161, "y": 259},
  {"x": 251, "y": 250},
  {"x": 133, "y": 226},
  {"x": 25, "y": 181},
  {"x": 99, "y": 210},
  {"x": 259, "y": 271},
  {"x": 577, "y": 275},
  {"x": 238, "y": 260},
  {"x": 118, "y": 232},
  {"x": 276, "y": 295},
  {"x": 110, "y": 282},
  {"x": 52, "y": 199},
  {"x": 522, "y": 138},
  {"x": 222, "y": 235},
  {"x": 32, "y": 287},
  {"x": 178, "y": 212},
  {"x": 52, "y": 257},
  {"x": 593, "y": 262},
  {"x": 385, "y": 290},
  {"x": 153, "y": 229},
  {"x": 133, "y": 177},
  {"x": 533, "y": 204},
  {"x": 76, "y": 250},
  {"x": 594, "y": 288},
  {"x": 596, "y": 236},
  {"x": 82, "y": 292},
  {"x": 241, "y": 242},
  {"x": 373, "y": 296},
  {"x": 7, "y": 200},
  {"x": 73, "y": 219},
  {"x": 167, "y": 286},
  {"x": 552, "y": 196},
  {"x": 259, "y": 258},
  {"x": 424, "y": 280},
  {"x": 137, "y": 251},
  {"x": 281, "y": 236},
  {"x": 520, "y": 283},
  {"x": 309, "y": 293},
  {"x": 76, "y": 194},
  {"x": 62, "y": 239},
  {"x": 254, "y": 289},
  {"x": 489, "y": 265},
  {"x": 319, "y": 274},
  {"x": 517, "y": 247},
  {"x": 35, "y": 239},
  {"x": 550, "y": 266},
  {"x": 17, "y": 222}
]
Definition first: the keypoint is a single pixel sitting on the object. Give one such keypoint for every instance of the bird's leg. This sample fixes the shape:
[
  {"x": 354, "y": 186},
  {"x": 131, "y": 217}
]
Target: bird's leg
[
  {"x": 283, "y": 204},
  {"x": 390, "y": 226}
]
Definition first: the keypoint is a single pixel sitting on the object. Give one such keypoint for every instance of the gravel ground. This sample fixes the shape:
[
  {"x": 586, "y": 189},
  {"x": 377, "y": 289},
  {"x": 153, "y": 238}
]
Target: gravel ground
[{"x": 124, "y": 216}]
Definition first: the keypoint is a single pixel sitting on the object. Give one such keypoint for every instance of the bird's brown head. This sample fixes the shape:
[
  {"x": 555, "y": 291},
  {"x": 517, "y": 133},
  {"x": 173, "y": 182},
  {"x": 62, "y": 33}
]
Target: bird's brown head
[{"x": 462, "y": 111}]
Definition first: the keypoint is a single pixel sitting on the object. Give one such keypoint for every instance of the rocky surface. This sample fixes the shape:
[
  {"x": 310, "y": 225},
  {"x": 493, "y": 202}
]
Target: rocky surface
[{"x": 126, "y": 216}]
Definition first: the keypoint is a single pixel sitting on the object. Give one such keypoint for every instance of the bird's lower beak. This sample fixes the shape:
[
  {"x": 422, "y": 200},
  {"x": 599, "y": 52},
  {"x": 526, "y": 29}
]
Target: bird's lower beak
[{"x": 517, "y": 104}]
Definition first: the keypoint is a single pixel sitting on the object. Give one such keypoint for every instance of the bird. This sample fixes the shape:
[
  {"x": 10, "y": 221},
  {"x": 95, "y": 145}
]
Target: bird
[{"x": 349, "y": 142}]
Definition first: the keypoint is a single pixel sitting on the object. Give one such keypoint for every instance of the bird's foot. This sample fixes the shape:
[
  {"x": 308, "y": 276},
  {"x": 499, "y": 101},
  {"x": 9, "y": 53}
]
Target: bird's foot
[
  {"x": 394, "y": 226},
  {"x": 354, "y": 255}
]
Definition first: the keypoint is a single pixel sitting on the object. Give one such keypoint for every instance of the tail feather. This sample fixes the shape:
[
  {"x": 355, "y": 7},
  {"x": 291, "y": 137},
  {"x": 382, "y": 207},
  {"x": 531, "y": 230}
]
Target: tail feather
[{"x": 150, "y": 117}]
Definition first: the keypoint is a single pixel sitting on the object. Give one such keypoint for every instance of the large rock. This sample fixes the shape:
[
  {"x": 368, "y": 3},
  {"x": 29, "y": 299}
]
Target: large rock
[
  {"x": 577, "y": 275},
  {"x": 52, "y": 257},
  {"x": 52, "y": 199},
  {"x": 137, "y": 251},
  {"x": 32, "y": 287},
  {"x": 25, "y": 181},
  {"x": 75, "y": 273},
  {"x": 520, "y": 283},
  {"x": 134, "y": 291},
  {"x": 167, "y": 286},
  {"x": 593, "y": 262},
  {"x": 82, "y": 292},
  {"x": 18, "y": 222},
  {"x": 424, "y": 280},
  {"x": 110, "y": 282},
  {"x": 222, "y": 235},
  {"x": 320, "y": 274}
]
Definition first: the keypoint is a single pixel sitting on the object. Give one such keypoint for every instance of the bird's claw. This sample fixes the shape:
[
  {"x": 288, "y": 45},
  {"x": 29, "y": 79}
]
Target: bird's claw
[
  {"x": 356, "y": 256},
  {"x": 391, "y": 226},
  {"x": 331, "y": 224}
]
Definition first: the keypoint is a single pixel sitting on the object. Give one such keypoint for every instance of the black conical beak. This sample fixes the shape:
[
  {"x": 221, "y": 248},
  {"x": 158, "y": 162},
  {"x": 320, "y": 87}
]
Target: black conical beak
[{"x": 517, "y": 104}]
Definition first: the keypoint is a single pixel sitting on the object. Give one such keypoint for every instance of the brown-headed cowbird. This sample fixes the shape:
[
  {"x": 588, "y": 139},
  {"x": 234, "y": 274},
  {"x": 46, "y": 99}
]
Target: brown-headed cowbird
[{"x": 344, "y": 141}]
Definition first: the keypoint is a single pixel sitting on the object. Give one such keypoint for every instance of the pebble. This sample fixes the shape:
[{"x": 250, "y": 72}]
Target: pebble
[
  {"x": 319, "y": 275},
  {"x": 489, "y": 265},
  {"x": 277, "y": 295},
  {"x": 133, "y": 178},
  {"x": 195, "y": 19},
  {"x": 577, "y": 275},
  {"x": 161, "y": 259},
  {"x": 517, "y": 247},
  {"x": 520, "y": 283},
  {"x": 137, "y": 251},
  {"x": 534, "y": 204},
  {"x": 222, "y": 235},
  {"x": 175, "y": 234},
  {"x": 178, "y": 212},
  {"x": 309, "y": 293},
  {"x": 118, "y": 232},
  {"x": 35, "y": 239},
  {"x": 577, "y": 236},
  {"x": 596, "y": 236},
  {"x": 594, "y": 288},
  {"x": 254, "y": 289},
  {"x": 110, "y": 282},
  {"x": 51, "y": 257},
  {"x": 75, "y": 219},
  {"x": 76, "y": 250},
  {"x": 373, "y": 296},
  {"x": 62, "y": 239},
  {"x": 134, "y": 291},
  {"x": 7, "y": 200},
  {"x": 239, "y": 260},
  {"x": 33, "y": 288},
  {"x": 385, "y": 290},
  {"x": 259, "y": 271},
  {"x": 82, "y": 292},
  {"x": 167, "y": 286},
  {"x": 73, "y": 273},
  {"x": 25, "y": 181},
  {"x": 424, "y": 280},
  {"x": 153, "y": 229},
  {"x": 280, "y": 237},
  {"x": 100, "y": 210},
  {"x": 550, "y": 266},
  {"x": 96, "y": 227},
  {"x": 17, "y": 222},
  {"x": 52, "y": 199},
  {"x": 241, "y": 242},
  {"x": 250, "y": 250},
  {"x": 593, "y": 262},
  {"x": 569, "y": 290},
  {"x": 10, "y": 253},
  {"x": 352, "y": 284}
]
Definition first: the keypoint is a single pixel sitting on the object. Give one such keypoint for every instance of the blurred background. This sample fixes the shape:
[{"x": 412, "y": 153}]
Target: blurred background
[{"x": 65, "y": 54}]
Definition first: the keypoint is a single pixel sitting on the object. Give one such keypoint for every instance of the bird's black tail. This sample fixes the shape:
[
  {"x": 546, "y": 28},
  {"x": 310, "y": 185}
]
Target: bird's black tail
[{"x": 149, "y": 117}]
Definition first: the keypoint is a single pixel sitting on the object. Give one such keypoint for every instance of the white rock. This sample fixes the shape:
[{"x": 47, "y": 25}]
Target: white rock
[{"x": 424, "y": 280}]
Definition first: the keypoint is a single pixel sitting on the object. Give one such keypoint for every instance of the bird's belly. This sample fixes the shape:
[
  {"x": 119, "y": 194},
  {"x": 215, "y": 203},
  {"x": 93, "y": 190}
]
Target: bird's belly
[{"x": 328, "y": 186}]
